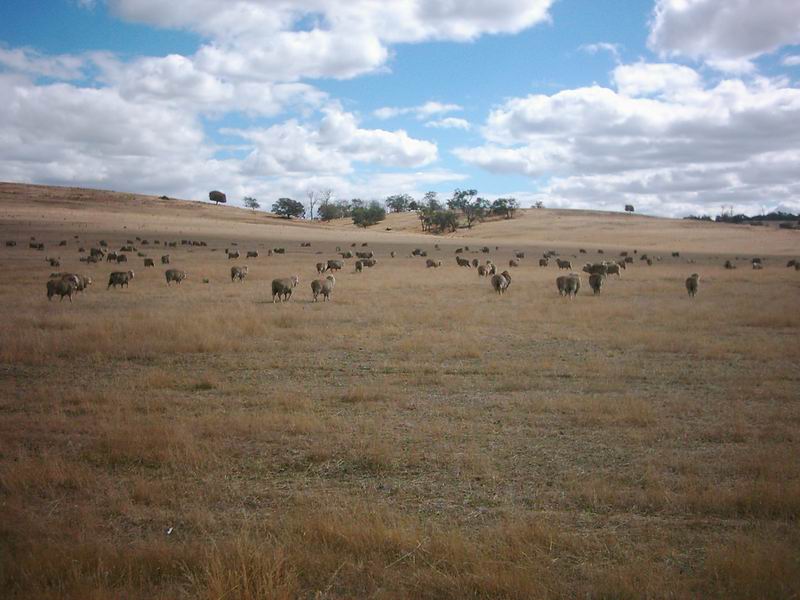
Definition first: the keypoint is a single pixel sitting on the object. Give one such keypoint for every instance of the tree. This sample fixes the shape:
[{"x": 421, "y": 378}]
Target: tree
[
  {"x": 250, "y": 202},
  {"x": 312, "y": 201},
  {"x": 629, "y": 208},
  {"x": 325, "y": 202},
  {"x": 217, "y": 196},
  {"x": 539, "y": 204},
  {"x": 329, "y": 212},
  {"x": 444, "y": 220},
  {"x": 288, "y": 208},
  {"x": 471, "y": 207},
  {"x": 505, "y": 207},
  {"x": 413, "y": 206},
  {"x": 399, "y": 203},
  {"x": 365, "y": 216}
]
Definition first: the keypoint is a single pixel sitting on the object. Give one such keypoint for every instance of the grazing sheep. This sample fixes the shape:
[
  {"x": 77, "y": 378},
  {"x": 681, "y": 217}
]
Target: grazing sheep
[
  {"x": 165, "y": 259},
  {"x": 501, "y": 282},
  {"x": 11, "y": 243},
  {"x": 492, "y": 268},
  {"x": 121, "y": 278},
  {"x": 792, "y": 262},
  {"x": 141, "y": 254},
  {"x": 430, "y": 263},
  {"x": 563, "y": 264},
  {"x": 475, "y": 262},
  {"x": 596, "y": 281},
  {"x": 369, "y": 262},
  {"x": 97, "y": 252},
  {"x": 279, "y": 250},
  {"x": 463, "y": 262},
  {"x": 590, "y": 268},
  {"x": 321, "y": 267},
  {"x": 323, "y": 286},
  {"x": 513, "y": 262},
  {"x": 359, "y": 266},
  {"x": 649, "y": 262},
  {"x": 519, "y": 255},
  {"x": 599, "y": 251},
  {"x": 54, "y": 262},
  {"x": 252, "y": 254},
  {"x": 613, "y": 269},
  {"x": 692, "y": 284},
  {"x": 582, "y": 251},
  {"x": 543, "y": 262},
  {"x": 392, "y": 254},
  {"x": 62, "y": 287},
  {"x": 175, "y": 275},
  {"x": 305, "y": 244},
  {"x": 233, "y": 254},
  {"x": 127, "y": 249},
  {"x": 111, "y": 257},
  {"x": 335, "y": 265},
  {"x": 346, "y": 254},
  {"x": 485, "y": 250},
  {"x": 459, "y": 250},
  {"x": 729, "y": 265},
  {"x": 573, "y": 285},
  {"x": 121, "y": 258},
  {"x": 676, "y": 255},
  {"x": 482, "y": 271},
  {"x": 628, "y": 260},
  {"x": 282, "y": 288},
  {"x": 148, "y": 262},
  {"x": 757, "y": 266},
  {"x": 239, "y": 273},
  {"x": 369, "y": 254},
  {"x": 561, "y": 284}
]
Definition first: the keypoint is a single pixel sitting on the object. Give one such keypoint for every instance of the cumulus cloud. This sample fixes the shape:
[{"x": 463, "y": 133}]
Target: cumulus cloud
[
  {"x": 597, "y": 48},
  {"x": 662, "y": 134},
  {"x": 449, "y": 123},
  {"x": 792, "y": 60},
  {"x": 31, "y": 62},
  {"x": 330, "y": 147},
  {"x": 727, "y": 34},
  {"x": 423, "y": 111}
]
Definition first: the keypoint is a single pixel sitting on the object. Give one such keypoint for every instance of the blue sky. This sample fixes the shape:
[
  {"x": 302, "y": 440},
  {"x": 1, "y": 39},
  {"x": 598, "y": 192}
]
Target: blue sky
[{"x": 676, "y": 106}]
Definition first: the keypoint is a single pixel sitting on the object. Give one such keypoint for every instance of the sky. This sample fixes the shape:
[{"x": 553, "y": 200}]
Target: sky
[{"x": 675, "y": 106}]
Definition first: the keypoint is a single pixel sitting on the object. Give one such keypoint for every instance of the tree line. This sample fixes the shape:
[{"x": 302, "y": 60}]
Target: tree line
[{"x": 464, "y": 208}]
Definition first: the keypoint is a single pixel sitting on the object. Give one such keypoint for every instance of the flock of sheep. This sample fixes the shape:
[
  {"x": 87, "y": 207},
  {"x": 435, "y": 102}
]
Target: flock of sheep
[{"x": 68, "y": 284}]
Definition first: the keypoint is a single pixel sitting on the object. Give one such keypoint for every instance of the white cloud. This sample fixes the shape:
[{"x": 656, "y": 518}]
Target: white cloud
[
  {"x": 728, "y": 34},
  {"x": 330, "y": 147},
  {"x": 663, "y": 134},
  {"x": 792, "y": 60},
  {"x": 423, "y": 111},
  {"x": 449, "y": 123},
  {"x": 612, "y": 49},
  {"x": 31, "y": 62}
]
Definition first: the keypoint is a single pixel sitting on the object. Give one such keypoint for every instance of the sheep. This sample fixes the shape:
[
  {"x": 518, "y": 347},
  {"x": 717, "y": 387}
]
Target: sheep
[
  {"x": 792, "y": 262},
  {"x": 600, "y": 268},
  {"x": 392, "y": 254},
  {"x": 582, "y": 251},
  {"x": 335, "y": 265},
  {"x": 305, "y": 244},
  {"x": 252, "y": 254},
  {"x": 359, "y": 266},
  {"x": 596, "y": 281},
  {"x": 561, "y": 285},
  {"x": 430, "y": 263},
  {"x": 321, "y": 267},
  {"x": 346, "y": 254},
  {"x": 676, "y": 255},
  {"x": 282, "y": 288},
  {"x": 573, "y": 285},
  {"x": 111, "y": 257},
  {"x": 80, "y": 282},
  {"x": 649, "y": 262},
  {"x": 757, "y": 266},
  {"x": 482, "y": 271},
  {"x": 165, "y": 259},
  {"x": 501, "y": 282},
  {"x": 121, "y": 258},
  {"x": 11, "y": 243},
  {"x": 613, "y": 269},
  {"x": 279, "y": 250},
  {"x": 543, "y": 262},
  {"x": 239, "y": 273},
  {"x": 692, "y": 283},
  {"x": 369, "y": 262},
  {"x": 323, "y": 286},
  {"x": 513, "y": 262},
  {"x": 148, "y": 262},
  {"x": 121, "y": 278},
  {"x": 175, "y": 275},
  {"x": 491, "y": 268},
  {"x": 140, "y": 255},
  {"x": 62, "y": 287},
  {"x": 519, "y": 255},
  {"x": 475, "y": 262},
  {"x": 628, "y": 260},
  {"x": 463, "y": 262},
  {"x": 563, "y": 264},
  {"x": 369, "y": 254},
  {"x": 233, "y": 254},
  {"x": 54, "y": 262}
]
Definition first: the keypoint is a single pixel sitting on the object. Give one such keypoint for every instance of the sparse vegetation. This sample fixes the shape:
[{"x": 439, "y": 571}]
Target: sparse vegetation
[{"x": 202, "y": 442}]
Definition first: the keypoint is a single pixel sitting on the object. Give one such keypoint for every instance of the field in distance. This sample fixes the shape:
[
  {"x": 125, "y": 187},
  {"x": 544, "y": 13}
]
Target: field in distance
[{"x": 418, "y": 436}]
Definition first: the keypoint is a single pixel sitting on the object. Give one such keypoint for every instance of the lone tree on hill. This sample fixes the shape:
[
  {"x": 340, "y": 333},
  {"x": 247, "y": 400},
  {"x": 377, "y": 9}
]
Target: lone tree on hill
[
  {"x": 288, "y": 208},
  {"x": 250, "y": 202},
  {"x": 399, "y": 203},
  {"x": 364, "y": 216},
  {"x": 629, "y": 208},
  {"x": 217, "y": 196}
]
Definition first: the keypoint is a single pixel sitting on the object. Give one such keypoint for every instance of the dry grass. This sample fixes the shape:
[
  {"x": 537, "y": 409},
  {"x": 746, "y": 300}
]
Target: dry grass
[{"x": 416, "y": 437}]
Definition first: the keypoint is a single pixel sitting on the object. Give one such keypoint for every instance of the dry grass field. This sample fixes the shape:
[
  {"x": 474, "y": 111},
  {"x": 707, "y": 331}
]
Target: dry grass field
[{"x": 416, "y": 437}]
